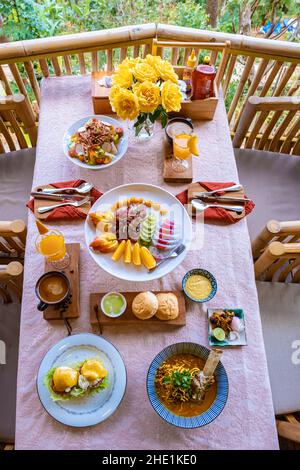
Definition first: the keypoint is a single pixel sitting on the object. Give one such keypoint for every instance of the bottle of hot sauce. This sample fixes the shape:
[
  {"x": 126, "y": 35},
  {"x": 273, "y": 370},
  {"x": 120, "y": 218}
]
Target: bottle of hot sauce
[
  {"x": 202, "y": 82},
  {"x": 188, "y": 71}
]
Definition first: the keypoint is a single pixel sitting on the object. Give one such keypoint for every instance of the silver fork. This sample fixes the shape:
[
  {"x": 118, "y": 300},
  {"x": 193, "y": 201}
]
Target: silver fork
[
  {"x": 42, "y": 210},
  {"x": 176, "y": 252}
]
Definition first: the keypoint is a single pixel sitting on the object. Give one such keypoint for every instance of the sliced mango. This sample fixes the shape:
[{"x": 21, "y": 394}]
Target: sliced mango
[
  {"x": 147, "y": 259},
  {"x": 41, "y": 227},
  {"x": 192, "y": 144},
  {"x": 119, "y": 251},
  {"x": 136, "y": 255},
  {"x": 127, "y": 254}
]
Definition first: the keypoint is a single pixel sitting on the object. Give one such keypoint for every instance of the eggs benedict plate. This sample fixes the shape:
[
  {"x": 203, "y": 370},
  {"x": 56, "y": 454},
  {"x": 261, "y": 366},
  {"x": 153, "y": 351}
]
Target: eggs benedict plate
[{"x": 81, "y": 380}]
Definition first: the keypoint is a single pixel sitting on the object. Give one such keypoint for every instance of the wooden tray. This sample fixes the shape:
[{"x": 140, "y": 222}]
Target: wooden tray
[
  {"x": 171, "y": 176},
  {"x": 128, "y": 318},
  {"x": 197, "y": 188},
  {"x": 72, "y": 310},
  {"x": 47, "y": 202}
]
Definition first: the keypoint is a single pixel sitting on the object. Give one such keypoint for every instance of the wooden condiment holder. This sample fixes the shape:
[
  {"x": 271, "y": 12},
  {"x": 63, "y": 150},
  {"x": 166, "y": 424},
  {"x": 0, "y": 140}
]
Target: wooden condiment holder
[
  {"x": 99, "y": 319},
  {"x": 100, "y": 94},
  {"x": 72, "y": 309}
]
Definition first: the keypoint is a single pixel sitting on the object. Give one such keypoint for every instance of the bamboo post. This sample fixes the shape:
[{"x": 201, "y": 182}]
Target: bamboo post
[
  {"x": 25, "y": 112},
  {"x": 44, "y": 67},
  {"x": 82, "y": 63},
  {"x": 94, "y": 61},
  {"x": 67, "y": 63},
  {"x": 273, "y": 73},
  {"x": 240, "y": 87},
  {"x": 296, "y": 149},
  {"x": 175, "y": 56},
  {"x": 253, "y": 87},
  {"x": 14, "y": 70},
  {"x": 245, "y": 121},
  {"x": 290, "y": 431},
  {"x": 56, "y": 66},
  {"x": 229, "y": 73},
  {"x": 18, "y": 131},
  {"x": 12, "y": 276},
  {"x": 279, "y": 132},
  {"x": 288, "y": 142},
  {"x": 5, "y": 133},
  {"x": 33, "y": 81},
  {"x": 286, "y": 76},
  {"x": 271, "y": 253},
  {"x": 223, "y": 64},
  {"x": 4, "y": 80},
  {"x": 272, "y": 229}
]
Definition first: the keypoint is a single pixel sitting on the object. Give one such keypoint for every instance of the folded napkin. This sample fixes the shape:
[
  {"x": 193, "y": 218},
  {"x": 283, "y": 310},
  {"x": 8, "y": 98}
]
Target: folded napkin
[
  {"x": 217, "y": 214},
  {"x": 66, "y": 212}
]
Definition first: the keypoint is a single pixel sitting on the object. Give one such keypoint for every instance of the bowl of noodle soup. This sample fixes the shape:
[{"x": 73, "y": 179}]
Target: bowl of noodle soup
[{"x": 168, "y": 386}]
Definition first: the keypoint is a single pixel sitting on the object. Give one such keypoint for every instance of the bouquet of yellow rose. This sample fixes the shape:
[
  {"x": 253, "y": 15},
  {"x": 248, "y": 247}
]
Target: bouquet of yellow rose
[{"x": 145, "y": 89}]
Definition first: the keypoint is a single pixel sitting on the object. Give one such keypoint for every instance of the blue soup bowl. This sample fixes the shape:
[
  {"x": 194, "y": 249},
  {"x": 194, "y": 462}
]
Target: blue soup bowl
[
  {"x": 206, "y": 274},
  {"x": 220, "y": 376}
]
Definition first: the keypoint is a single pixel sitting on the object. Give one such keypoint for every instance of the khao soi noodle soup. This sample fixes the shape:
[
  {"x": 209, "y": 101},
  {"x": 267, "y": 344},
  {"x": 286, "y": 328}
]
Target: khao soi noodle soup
[{"x": 174, "y": 385}]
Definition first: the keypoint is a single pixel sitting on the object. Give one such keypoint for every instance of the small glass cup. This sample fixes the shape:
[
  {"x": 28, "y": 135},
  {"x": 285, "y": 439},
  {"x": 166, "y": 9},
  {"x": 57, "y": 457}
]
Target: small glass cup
[
  {"x": 52, "y": 246},
  {"x": 181, "y": 153}
]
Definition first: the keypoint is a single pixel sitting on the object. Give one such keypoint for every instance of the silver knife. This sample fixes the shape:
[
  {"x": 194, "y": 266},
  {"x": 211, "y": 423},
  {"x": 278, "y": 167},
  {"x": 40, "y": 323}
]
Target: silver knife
[
  {"x": 58, "y": 196},
  {"x": 172, "y": 254},
  {"x": 223, "y": 198}
]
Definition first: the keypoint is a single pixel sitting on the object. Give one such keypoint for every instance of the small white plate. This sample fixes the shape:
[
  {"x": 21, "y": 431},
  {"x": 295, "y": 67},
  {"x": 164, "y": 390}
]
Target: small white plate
[
  {"x": 122, "y": 145},
  {"x": 129, "y": 272},
  {"x": 89, "y": 410}
]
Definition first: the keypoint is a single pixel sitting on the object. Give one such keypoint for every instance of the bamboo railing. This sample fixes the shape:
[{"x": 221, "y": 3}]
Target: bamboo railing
[{"x": 254, "y": 66}]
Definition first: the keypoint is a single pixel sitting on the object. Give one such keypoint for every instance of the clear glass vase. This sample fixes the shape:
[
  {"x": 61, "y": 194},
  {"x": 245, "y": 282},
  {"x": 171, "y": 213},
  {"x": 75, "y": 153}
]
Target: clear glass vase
[{"x": 144, "y": 131}]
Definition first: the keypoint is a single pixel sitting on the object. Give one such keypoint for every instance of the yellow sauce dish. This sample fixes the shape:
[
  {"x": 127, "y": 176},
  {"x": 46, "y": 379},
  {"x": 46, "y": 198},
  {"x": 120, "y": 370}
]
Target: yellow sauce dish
[{"x": 199, "y": 285}]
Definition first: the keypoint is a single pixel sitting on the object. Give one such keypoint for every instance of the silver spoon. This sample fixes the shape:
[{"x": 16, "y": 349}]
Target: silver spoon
[
  {"x": 201, "y": 206},
  {"x": 84, "y": 188}
]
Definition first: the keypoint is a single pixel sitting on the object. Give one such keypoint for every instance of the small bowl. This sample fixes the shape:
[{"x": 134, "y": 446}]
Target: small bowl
[
  {"x": 187, "y": 121},
  {"x": 122, "y": 310},
  {"x": 206, "y": 274},
  {"x": 180, "y": 421}
]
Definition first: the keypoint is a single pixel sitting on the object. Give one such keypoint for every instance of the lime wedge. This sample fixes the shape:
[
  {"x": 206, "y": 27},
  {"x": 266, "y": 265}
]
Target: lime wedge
[{"x": 219, "y": 334}]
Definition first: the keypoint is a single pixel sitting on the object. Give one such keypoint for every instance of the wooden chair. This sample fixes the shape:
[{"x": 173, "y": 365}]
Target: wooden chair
[
  {"x": 12, "y": 240},
  {"x": 11, "y": 281},
  {"x": 277, "y": 256},
  {"x": 17, "y": 123},
  {"x": 274, "y": 129}
]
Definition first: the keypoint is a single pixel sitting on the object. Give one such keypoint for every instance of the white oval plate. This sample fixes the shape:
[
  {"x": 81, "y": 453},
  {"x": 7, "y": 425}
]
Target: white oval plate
[
  {"x": 122, "y": 145},
  {"x": 149, "y": 192},
  {"x": 89, "y": 410}
]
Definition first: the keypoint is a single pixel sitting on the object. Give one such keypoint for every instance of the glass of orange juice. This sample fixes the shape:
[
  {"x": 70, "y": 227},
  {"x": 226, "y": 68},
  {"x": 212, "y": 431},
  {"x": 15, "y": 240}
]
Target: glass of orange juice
[
  {"x": 52, "y": 246},
  {"x": 184, "y": 147}
]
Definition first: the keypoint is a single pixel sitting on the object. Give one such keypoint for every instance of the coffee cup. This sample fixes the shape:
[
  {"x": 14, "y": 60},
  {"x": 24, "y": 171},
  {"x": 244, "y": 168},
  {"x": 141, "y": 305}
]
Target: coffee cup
[{"x": 52, "y": 288}]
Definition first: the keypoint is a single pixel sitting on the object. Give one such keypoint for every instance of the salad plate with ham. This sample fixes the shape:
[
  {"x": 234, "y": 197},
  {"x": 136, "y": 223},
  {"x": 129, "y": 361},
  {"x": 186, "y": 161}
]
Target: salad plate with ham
[
  {"x": 95, "y": 142},
  {"x": 131, "y": 228}
]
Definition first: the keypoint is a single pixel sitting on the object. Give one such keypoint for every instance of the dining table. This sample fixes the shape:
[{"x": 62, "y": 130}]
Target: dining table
[{"x": 247, "y": 421}]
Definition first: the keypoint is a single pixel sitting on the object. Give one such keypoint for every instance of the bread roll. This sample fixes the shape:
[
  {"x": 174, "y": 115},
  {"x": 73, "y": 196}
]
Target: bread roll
[
  {"x": 145, "y": 305},
  {"x": 167, "y": 306}
]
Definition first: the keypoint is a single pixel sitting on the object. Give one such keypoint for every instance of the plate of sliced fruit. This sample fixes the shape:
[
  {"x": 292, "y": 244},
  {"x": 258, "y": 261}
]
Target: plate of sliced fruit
[{"x": 132, "y": 228}]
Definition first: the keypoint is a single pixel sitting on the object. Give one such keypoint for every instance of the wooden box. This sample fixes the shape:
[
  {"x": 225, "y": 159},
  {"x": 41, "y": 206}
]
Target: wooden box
[
  {"x": 100, "y": 94},
  {"x": 199, "y": 109}
]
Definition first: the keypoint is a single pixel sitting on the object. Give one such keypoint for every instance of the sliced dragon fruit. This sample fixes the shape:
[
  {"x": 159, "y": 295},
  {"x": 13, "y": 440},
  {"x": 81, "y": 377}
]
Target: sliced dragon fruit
[{"x": 166, "y": 237}]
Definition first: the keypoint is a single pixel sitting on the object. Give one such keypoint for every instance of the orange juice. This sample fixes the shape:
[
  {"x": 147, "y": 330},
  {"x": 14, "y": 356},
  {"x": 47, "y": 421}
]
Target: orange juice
[
  {"x": 181, "y": 149},
  {"x": 52, "y": 246}
]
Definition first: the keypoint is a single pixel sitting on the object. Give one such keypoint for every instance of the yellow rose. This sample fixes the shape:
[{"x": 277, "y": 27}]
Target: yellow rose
[
  {"x": 123, "y": 77},
  {"x": 148, "y": 95},
  {"x": 143, "y": 71},
  {"x": 124, "y": 102},
  {"x": 170, "y": 96},
  {"x": 131, "y": 63},
  {"x": 165, "y": 71},
  {"x": 153, "y": 59}
]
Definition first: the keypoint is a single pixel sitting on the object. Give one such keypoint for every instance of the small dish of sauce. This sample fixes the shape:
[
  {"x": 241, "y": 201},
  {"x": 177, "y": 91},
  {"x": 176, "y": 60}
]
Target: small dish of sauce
[
  {"x": 199, "y": 285},
  {"x": 113, "y": 304}
]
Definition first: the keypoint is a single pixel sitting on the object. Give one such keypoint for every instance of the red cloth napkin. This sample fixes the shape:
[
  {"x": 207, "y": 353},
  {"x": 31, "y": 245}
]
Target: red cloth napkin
[
  {"x": 217, "y": 214},
  {"x": 67, "y": 212}
]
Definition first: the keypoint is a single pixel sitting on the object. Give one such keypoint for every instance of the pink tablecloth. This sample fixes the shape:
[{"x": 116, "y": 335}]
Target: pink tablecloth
[{"x": 247, "y": 421}]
